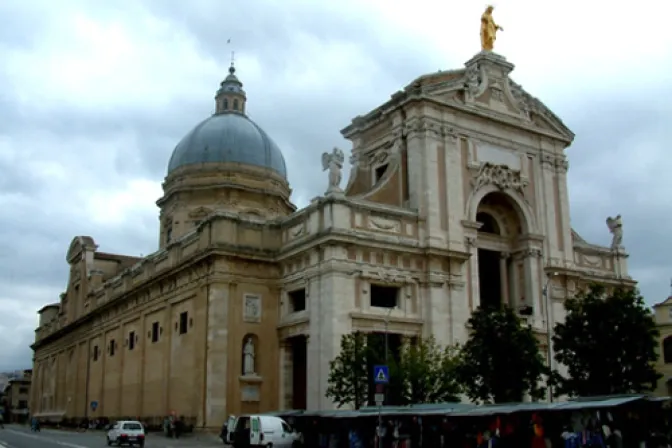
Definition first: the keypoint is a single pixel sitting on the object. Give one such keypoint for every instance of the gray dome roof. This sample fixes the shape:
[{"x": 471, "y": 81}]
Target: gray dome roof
[{"x": 228, "y": 137}]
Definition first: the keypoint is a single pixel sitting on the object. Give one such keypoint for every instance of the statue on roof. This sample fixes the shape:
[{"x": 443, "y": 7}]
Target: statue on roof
[
  {"x": 489, "y": 29},
  {"x": 334, "y": 163},
  {"x": 616, "y": 228}
]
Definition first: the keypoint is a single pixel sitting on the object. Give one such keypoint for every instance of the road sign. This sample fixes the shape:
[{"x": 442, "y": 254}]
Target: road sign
[
  {"x": 94, "y": 405},
  {"x": 379, "y": 399},
  {"x": 381, "y": 374}
]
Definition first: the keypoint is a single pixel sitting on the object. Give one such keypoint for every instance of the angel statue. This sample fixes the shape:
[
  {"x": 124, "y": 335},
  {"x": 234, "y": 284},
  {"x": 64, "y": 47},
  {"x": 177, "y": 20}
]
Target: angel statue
[
  {"x": 334, "y": 163},
  {"x": 616, "y": 228}
]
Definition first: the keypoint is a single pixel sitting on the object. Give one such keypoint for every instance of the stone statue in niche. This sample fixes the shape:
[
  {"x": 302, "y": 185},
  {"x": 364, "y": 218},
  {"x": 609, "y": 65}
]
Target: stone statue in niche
[
  {"x": 334, "y": 163},
  {"x": 616, "y": 228},
  {"x": 248, "y": 357}
]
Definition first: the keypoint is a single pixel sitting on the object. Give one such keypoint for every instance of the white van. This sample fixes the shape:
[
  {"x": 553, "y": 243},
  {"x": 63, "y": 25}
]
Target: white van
[{"x": 259, "y": 431}]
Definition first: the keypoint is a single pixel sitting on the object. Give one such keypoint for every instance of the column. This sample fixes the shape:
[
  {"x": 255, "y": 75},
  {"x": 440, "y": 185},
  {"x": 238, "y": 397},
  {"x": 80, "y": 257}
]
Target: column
[
  {"x": 473, "y": 274},
  {"x": 532, "y": 285},
  {"x": 504, "y": 276}
]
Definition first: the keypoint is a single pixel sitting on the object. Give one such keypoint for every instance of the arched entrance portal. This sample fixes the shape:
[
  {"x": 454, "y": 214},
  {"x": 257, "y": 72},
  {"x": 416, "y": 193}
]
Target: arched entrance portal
[{"x": 502, "y": 254}]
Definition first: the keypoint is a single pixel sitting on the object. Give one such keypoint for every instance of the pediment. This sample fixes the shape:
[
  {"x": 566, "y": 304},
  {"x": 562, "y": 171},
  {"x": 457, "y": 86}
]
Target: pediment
[{"x": 485, "y": 84}]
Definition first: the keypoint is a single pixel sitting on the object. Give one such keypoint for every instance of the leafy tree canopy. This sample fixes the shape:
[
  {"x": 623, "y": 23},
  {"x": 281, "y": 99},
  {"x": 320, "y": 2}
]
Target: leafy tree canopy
[
  {"x": 348, "y": 380},
  {"x": 428, "y": 372},
  {"x": 608, "y": 344},
  {"x": 501, "y": 361}
]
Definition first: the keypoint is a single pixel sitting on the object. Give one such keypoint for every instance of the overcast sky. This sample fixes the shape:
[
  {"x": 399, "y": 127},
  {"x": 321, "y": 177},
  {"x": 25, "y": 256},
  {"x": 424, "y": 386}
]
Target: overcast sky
[{"x": 95, "y": 94}]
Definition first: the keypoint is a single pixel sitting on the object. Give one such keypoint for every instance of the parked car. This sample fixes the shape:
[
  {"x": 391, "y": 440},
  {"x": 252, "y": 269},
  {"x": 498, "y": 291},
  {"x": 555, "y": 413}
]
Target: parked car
[
  {"x": 259, "y": 431},
  {"x": 127, "y": 432}
]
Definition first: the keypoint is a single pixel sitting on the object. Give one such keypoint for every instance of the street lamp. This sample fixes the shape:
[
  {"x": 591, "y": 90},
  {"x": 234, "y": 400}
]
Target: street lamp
[{"x": 549, "y": 335}]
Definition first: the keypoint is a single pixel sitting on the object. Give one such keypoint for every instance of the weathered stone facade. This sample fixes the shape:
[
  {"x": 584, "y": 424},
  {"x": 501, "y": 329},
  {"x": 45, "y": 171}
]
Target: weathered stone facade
[
  {"x": 458, "y": 167},
  {"x": 663, "y": 315}
]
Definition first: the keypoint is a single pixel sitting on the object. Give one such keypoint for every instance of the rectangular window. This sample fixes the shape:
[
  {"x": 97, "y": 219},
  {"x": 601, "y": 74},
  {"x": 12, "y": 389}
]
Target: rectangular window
[
  {"x": 184, "y": 321},
  {"x": 23, "y": 390},
  {"x": 23, "y": 404},
  {"x": 112, "y": 347},
  {"x": 131, "y": 340},
  {"x": 384, "y": 296},
  {"x": 95, "y": 353},
  {"x": 297, "y": 300},
  {"x": 155, "y": 332}
]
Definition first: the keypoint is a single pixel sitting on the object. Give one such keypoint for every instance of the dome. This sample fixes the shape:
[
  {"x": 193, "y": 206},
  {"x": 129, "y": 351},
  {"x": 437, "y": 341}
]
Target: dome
[{"x": 228, "y": 137}]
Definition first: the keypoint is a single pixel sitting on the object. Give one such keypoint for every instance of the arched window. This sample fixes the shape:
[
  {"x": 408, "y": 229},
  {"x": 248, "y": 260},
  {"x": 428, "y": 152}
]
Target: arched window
[
  {"x": 489, "y": 223},
  {"x": 235, "y": 104},
  {"x": 226, "y": 104},
  {"x": 667, "y": 350}
]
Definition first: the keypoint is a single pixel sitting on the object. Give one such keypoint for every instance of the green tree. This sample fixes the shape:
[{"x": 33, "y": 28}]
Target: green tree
[
  {"x": 501, "y": 361},
  {"x": 608, "y": 344},
  {"x": 428, "y": 372},
  {"x": 348, "y": 382}
]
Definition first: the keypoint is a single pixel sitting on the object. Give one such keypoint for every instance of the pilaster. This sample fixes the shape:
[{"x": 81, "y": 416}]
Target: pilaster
[
  {"x": 332, "y": 299},
  {"x": 548, "y": 205},
  {"x": 218, "y": 296}
]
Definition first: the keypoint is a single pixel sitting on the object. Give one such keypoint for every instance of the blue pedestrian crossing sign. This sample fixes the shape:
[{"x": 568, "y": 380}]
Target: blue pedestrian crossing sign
[{"x": 381, "y": 374}]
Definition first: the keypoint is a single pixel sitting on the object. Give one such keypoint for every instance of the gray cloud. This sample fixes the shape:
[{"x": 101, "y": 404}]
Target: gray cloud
[{"x": 74, "y": 136}]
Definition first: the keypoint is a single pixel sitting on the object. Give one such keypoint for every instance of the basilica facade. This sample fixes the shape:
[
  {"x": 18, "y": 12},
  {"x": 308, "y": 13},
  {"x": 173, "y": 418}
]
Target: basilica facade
[{"x": 457, "y": 197}]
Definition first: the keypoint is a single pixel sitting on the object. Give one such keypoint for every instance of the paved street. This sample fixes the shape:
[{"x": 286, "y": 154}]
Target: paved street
[{"x": 15, "y": 436}]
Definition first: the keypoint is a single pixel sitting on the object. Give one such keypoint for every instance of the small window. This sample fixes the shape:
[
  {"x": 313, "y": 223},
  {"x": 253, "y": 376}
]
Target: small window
[
  {"x": 23, "y": 390},
  {"x": 669, "y": 311},
  {"x": 169, "y": 234},
  {"x": 184, "y": 321},
  {"x": 226, "y": 104},
  {"x": 155, "y": 332},
  {"x": 380, "y": 172},
  {"x": 95, "y": 353},
  {"x": 285, "y": 427},
  {"x": 112, "y": 347},
  {"x": 384, "y": 296},
  {"x": 131, "y": 340},
  {"x": 667, "y": 350},
  {"x": 235, "y": 104},
  {"x": 23, "y": 404},
  {"x": 297, "y": 300}
]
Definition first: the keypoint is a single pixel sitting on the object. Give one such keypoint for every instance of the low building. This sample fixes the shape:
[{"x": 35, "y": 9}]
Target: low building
[{"x": 17, "y": 398}]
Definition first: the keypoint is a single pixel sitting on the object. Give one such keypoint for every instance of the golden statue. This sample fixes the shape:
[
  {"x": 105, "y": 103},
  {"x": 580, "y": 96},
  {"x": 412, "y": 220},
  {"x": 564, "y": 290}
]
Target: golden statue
[{"x": 488, "y": 29}]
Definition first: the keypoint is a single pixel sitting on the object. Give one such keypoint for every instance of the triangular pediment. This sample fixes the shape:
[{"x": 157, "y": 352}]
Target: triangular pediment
[{"x": 485, "y": 85}]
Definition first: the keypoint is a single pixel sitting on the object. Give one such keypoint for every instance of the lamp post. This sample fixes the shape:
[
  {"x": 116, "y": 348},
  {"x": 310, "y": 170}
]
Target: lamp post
[{"x": 549, "y": 335}]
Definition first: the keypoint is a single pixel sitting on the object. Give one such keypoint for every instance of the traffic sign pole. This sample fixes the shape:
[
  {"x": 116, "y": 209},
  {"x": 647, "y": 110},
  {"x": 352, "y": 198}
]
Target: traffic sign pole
[{"x": 381, "y": 376}]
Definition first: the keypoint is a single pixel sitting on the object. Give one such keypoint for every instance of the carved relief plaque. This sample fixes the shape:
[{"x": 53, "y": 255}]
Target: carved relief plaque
[
  {"x": 251, "y": 308},
  {"x": 250, "y": 393}
]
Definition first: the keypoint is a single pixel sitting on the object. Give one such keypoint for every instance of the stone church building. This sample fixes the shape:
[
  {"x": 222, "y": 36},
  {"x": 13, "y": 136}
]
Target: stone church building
[{"x": 457, "y": 197}]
